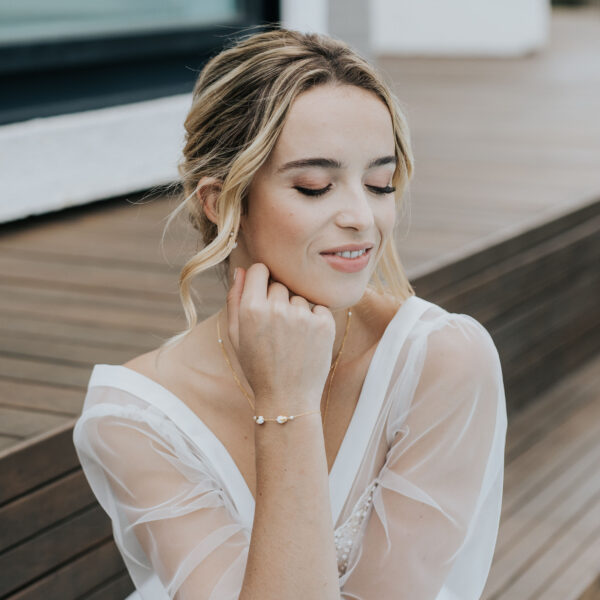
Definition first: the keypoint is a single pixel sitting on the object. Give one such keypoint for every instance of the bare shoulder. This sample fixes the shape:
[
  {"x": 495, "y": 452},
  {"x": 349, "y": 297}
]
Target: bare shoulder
[
  {"x": 376, "y": 310},
  {"x": 189, "y": 368},
  {"x": 144, "y": 363}
]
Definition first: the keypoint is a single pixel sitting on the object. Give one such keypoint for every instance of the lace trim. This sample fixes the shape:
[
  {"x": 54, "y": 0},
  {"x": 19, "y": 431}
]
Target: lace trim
[{"x": 347, "y": 533}]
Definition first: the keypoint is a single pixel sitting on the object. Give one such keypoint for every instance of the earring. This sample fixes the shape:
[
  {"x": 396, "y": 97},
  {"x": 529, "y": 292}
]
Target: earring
[{"x": 235, "y": 241}]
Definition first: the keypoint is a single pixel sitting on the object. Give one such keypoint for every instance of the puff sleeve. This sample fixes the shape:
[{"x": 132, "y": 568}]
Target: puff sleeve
[
  {"x": 172, "y": 522},
  {"x": 433, "y": 523}
]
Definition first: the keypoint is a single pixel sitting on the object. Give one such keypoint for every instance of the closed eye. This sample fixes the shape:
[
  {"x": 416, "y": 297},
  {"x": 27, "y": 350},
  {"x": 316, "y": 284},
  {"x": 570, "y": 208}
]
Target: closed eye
[
  {"x": 312, "y": 191},
  {"x": 382, "y": 190},
  {"x": 320, "y": 191}
]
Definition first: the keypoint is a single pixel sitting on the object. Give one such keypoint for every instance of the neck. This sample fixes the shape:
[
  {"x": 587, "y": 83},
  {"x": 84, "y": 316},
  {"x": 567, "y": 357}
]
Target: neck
[{"x": 340, "y": 316}]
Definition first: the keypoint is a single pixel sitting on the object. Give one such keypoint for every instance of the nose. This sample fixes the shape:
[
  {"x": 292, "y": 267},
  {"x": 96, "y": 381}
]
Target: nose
[{"x": 355, "y": 211}]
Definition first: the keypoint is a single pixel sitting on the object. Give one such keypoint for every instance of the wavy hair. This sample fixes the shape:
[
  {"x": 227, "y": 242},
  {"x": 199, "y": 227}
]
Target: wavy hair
[{"x": 239, "y": 105}]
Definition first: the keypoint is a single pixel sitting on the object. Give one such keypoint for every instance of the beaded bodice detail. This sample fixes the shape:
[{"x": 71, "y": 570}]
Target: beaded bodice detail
[{"x": 347, "y": 534}]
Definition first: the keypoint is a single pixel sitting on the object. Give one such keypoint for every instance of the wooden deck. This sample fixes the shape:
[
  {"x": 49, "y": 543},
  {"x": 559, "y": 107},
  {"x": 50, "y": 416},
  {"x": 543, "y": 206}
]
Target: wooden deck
[
  {"x": 500, "y": 145},
  {"x": 549, "y": 540}
]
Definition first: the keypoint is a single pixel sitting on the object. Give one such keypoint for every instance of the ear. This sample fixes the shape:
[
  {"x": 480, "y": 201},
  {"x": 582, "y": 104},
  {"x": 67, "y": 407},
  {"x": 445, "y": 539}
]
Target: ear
[{"x": 207, "y": 192}]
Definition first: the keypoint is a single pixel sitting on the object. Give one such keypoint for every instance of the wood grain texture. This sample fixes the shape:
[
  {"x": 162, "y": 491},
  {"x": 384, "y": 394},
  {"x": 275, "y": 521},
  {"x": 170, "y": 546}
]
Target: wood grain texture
[
  {"x": 501, "y": 222},
  {"x": 548, "y": 541}
]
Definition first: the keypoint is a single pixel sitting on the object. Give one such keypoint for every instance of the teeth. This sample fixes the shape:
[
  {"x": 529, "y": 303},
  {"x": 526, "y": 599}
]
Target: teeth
[{"x": 352, "y": 254}]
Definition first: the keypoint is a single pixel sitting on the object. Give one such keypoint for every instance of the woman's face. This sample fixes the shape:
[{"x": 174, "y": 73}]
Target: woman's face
[{"x": 326, "y": 188}]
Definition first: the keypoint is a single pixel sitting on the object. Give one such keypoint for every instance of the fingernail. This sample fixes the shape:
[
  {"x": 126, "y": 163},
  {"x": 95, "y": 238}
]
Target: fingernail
[{"x": 235, "y": 273}]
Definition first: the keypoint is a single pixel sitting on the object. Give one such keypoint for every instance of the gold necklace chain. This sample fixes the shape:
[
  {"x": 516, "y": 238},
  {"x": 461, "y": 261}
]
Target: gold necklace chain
[{"x": 331, "y": 370}]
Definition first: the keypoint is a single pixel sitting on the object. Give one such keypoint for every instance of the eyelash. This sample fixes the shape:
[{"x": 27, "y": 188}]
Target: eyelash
[{"x": 311, "y": 192}]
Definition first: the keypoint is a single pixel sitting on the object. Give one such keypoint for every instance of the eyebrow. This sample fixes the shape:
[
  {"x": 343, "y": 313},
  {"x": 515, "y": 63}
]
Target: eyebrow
[{"x": 330, "y": 163}]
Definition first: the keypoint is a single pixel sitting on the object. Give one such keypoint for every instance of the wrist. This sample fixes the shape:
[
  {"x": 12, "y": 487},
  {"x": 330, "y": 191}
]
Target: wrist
[{"x": 271, "y": 405}]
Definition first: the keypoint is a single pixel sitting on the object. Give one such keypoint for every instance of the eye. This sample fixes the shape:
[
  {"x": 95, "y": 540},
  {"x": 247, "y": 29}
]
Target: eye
[
  {"x": 382, "y": 190},
  {"x": 312, "y": 191}
]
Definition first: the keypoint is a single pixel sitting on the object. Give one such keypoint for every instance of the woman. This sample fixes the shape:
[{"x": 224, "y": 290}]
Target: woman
[{"x": 319, "y": 436}]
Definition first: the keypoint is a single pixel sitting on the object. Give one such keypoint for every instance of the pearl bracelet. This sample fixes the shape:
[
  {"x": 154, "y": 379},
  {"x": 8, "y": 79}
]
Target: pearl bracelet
[{"x": 282, "y": 419}]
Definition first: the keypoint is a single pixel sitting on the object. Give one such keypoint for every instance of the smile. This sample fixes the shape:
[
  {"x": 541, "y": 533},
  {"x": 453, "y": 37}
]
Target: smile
[
  {"x": 349, "y": 261},
  {"x": 354, "y": 254}
]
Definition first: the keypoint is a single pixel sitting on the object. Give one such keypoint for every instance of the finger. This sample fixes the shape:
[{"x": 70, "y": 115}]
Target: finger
[
  {"x": 278, "y": 293},
  {"x": 319, "y": 309},
  {"x": 234, "y": 297},
  {"x": 300, "y": 301},
  {"x": 256, "y": 284}
]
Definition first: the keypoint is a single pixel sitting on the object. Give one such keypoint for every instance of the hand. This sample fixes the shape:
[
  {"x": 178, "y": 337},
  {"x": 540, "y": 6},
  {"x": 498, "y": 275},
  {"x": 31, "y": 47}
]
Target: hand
[{"x": 283, "y": 346}]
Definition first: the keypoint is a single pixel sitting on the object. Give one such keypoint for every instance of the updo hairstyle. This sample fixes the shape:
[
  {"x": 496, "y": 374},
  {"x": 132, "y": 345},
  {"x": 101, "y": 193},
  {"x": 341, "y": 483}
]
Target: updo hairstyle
[{"x": 239, "y": 106}]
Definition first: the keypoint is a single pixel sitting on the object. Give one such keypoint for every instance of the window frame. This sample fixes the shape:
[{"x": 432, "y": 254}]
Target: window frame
[{"x": 56, "y": 77}]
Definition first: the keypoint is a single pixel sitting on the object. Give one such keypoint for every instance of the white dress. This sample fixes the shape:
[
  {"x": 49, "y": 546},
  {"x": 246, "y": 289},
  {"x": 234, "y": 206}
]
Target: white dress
[{"x": 416, "y": 487}]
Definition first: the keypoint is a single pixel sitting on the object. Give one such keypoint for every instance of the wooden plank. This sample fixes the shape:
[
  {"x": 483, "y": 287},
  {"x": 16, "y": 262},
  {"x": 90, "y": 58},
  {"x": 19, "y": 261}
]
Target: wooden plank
[
  {"x": 136, "y": 340},
  {"x": 540, "y": 416},
  {"x": 550, "y": 484},
  {"x": 27, "y": 423},
  {"x": 582, "y": 343},
  {"x": 8, "y": 441},
  {"x": 115, "y": 589},
  {"x": 100, "y": 316},
  {"x": 525, "y": 326},
  {"x": 561, "y": 347},
  {"x": 33, "y": 462},
  {"x": 543, "y": 461},
  {"x": 57, "y": 545},
  {"x": 593, "y": 591},
  {"x": 41, "y": 293},
  {"x": 79, "y": 577},
  {"x": 573, "y": 581},
  {"x": 23, "y": 517},
  {"x": 29, "y": 369},
  {"x": 60, "y": 399},
  {"x": 541, "y": 267},
  {"x": 61, "y": 351},
  {"x": 534, "y": 520},
  {"x": 576, "y": 526}
]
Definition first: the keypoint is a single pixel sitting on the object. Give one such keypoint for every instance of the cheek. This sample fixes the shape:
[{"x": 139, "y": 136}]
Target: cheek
[
  {"x": 281, "y": 230},
  {"x": 291, "y": 226},
  {"x": 387, "y": 218}
]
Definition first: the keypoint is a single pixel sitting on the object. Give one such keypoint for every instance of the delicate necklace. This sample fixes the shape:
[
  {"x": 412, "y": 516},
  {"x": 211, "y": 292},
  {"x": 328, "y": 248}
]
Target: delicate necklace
[{"x": 331, "y": 370}]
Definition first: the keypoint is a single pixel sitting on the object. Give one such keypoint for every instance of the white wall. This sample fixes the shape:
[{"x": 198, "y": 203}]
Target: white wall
[
  {"x": 458, "y": 27},
  {"x": 52, "y": 163},
  {"x": 56, "y": 162},
  {"x": 305, "y": 15}
]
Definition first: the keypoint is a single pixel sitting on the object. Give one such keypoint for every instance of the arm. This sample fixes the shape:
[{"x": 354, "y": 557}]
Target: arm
[
  {"x": 285, "y": 351},
  {"x": 292, "y": 550},
  {"x": 172, "y": 520},
  {"x": 437, "y": 506}
]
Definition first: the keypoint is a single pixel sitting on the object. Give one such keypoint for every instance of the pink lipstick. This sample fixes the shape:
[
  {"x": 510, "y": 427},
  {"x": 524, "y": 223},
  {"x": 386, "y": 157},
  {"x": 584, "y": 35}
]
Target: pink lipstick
[{"x": 348, "y": 259}]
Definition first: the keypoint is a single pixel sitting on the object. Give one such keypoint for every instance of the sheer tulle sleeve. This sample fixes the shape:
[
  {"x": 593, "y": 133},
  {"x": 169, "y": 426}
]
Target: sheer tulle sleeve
[
  {"x": 173, "y": 524},
  {"x": 434, "y": 518}
]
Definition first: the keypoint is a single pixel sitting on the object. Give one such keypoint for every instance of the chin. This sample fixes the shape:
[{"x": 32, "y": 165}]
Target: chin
[
  {"x": 334, "y": 290},
  {"x": 334, "y": 297}
]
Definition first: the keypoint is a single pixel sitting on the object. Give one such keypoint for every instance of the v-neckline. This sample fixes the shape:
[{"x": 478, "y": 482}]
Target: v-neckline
[{"x": 193, "y": 426}]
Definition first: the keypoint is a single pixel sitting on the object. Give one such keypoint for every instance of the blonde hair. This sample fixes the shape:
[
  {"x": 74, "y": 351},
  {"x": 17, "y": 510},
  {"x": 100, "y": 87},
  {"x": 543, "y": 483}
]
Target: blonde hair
[{"x": 239, "y": 106}]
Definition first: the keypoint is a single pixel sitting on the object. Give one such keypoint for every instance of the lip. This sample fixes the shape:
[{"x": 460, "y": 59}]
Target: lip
[
  {"x": 349, "y": 248},
  {"x": 348, "y": 265}
]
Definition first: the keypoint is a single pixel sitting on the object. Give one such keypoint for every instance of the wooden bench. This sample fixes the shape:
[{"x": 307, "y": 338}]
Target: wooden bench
[
  {"x": 536, "y": 293},
  {"x": 55, "y": 539}
]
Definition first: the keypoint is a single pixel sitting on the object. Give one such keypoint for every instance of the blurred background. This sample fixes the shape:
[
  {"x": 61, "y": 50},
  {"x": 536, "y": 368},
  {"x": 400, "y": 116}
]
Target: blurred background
[{"x": 501, "y": 222}]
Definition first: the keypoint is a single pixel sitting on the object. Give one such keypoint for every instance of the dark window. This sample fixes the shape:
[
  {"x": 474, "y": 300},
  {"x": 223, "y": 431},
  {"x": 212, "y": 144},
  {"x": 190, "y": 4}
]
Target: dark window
[{"x": 67, "y": 55}]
